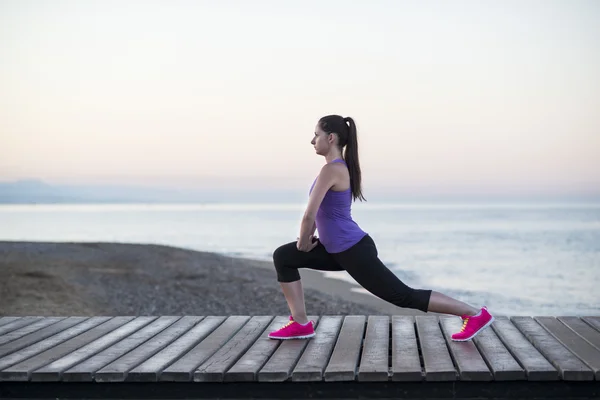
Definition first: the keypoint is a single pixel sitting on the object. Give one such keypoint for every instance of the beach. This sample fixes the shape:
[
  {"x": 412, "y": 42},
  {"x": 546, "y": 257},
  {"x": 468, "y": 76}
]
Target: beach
[{"x": 48, "y": 278}]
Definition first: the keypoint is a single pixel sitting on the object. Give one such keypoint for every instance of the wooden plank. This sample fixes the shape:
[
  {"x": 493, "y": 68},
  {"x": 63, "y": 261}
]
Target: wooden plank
[
  {"x": 54, "y": 370},
  {"x": 469, "y": 362},
  {"x": 213, "y": 369},
  {"x": 594, "y": 322},
  {"x": 6, "y": 320},
  {"x": 406, "y": 364},
  {"x": 578, "y": 326},
  {"x": 313, "y": 361},
  {"x": 436, "y": 358},
  {"x": 16, "y": 324},
  {"x": 22, "y": 371},
  {"x": 39, "y": 347},
  {"x": 503, "y": 365},
  {"x": 85, "y": 371},
  {"x": 26, "y": 330},
  {"x": 346, "y": 353},
  {"x": 569, "y": 366},
  {"x": 182, "y": 369},
  {"x": 374, "y": 363},
  {"x": 151, "y": 369},
  {"x": 576, "y": 344},
  {"x": 40, "y": 335},
  {"x": 280, "y": 365},
  {"x": 537, "y": 368},
  {"x": 247, "y": 367},
  {"x": 117, "y": 370}
]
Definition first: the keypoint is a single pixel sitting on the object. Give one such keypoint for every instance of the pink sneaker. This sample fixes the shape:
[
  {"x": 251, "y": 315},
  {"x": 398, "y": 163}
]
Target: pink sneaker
[
  {"x": 472, "y": 325},
  {"x": 293, "y": 330}
]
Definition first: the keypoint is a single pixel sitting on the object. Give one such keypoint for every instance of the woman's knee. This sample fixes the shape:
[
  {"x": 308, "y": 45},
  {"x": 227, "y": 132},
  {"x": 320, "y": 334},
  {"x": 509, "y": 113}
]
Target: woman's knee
[
  {"x": 283, "y": 261},
  {"x": 412, "y": 298},
  {"x": 282, "y": 254}
]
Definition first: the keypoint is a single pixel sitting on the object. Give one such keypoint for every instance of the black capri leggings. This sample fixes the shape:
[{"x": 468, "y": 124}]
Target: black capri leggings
[{"x": 361, "y": 262}]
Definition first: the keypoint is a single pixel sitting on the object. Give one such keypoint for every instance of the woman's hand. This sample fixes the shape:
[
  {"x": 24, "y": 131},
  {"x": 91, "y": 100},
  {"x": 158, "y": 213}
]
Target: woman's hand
[{"x": 308, "y": 245}]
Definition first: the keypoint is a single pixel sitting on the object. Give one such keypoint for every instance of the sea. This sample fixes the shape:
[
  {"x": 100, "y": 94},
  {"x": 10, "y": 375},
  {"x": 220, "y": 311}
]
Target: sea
[{"x": 515, "y": 258}]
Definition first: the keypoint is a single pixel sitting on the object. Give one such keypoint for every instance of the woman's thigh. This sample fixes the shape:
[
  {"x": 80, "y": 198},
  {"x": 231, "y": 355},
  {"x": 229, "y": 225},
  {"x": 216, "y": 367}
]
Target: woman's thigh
[
  {"x": 363, "y": 264},
  {"x": 318, "y": 258}
]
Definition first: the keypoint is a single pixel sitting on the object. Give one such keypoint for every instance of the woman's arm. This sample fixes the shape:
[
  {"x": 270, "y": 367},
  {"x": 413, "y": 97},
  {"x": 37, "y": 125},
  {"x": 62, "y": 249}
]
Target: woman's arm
[{"x": 325, "y": 180}]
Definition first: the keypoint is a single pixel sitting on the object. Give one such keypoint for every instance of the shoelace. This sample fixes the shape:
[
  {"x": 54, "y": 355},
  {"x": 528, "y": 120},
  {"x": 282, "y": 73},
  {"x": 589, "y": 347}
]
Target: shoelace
[
  {"x": 286, "y": 325},
  {"x": 464, "y": 324}
]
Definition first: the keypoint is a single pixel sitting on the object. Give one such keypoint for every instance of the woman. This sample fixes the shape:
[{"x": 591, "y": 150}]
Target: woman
[{"x": 343, "y": 245}]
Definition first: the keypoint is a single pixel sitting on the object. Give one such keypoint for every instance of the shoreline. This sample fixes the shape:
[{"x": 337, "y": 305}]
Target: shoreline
[{"x": 107, "y": 278}]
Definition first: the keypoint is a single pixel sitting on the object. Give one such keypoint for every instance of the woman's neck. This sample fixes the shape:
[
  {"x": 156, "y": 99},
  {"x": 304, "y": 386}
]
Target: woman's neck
[{"x": 333, "y": 156}]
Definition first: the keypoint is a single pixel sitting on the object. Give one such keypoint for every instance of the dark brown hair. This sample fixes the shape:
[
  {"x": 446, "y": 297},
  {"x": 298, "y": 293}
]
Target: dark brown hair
[{"x": 345, "y": 128}]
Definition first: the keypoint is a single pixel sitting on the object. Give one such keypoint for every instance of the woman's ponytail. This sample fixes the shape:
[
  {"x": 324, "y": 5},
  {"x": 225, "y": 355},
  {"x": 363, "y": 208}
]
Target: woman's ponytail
[{"x": 351, "y": 157}]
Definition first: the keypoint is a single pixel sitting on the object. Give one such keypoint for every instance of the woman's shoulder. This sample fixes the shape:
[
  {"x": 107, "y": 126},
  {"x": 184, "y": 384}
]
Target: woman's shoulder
[
  {"x": 333, "y": 169},
  {"x": 335, "y": 174}
]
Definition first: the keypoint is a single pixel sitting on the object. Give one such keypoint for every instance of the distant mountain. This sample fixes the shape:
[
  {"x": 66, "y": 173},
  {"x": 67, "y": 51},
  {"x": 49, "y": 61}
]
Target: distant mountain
[
  {"x": 30, "y": 191},
  {"x": 33, "y": 191}
]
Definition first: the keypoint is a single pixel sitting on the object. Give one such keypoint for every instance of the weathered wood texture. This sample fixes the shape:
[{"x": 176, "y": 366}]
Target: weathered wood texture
[{"x": 367, "y": 349}]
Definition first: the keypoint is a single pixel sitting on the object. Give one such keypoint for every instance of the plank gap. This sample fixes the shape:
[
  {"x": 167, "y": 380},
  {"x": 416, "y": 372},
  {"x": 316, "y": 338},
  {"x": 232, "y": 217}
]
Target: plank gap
[{"x": 419, "y": 347}]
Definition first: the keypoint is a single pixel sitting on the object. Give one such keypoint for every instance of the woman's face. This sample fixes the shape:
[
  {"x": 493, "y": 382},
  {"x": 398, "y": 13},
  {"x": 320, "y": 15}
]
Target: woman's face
[{"x": 322, "y": 141}]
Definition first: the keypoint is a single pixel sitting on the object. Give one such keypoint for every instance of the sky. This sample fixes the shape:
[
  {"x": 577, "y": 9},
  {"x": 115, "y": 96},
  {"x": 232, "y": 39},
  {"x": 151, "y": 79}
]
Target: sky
[{"x": 449, "y": 97}]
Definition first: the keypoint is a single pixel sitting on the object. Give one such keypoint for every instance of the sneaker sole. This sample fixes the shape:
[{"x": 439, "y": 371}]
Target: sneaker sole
[
  {"x": 476, "y": 333},
  {"x": 292, "y": 337}
]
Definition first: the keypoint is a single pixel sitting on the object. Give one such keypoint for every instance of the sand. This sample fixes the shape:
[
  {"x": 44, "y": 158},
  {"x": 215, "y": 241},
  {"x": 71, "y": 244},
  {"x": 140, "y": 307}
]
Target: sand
[{"x": 136, "y": 279}]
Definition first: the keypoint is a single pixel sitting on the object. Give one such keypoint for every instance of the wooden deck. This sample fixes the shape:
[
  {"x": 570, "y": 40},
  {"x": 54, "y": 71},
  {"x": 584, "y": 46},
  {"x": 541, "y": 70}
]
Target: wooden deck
[{"x": 351, "y": 356}]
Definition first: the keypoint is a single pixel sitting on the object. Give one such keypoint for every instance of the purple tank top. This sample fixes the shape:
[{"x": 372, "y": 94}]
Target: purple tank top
[{"x": 337, "y": 229}]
